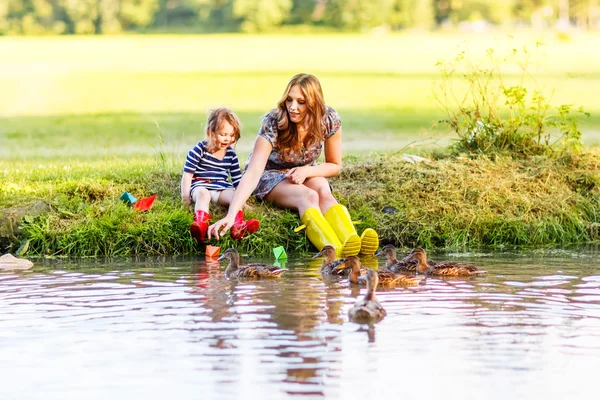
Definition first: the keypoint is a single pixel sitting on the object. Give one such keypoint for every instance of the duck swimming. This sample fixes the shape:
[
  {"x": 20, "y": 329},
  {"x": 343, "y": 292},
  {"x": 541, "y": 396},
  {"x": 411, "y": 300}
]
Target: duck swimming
[
  {"x": 385, "y": 277},
  {"x": 330, "y": 262},
  {"x": 368, "y": 309},
  {"x": 407, "y": 264},
  {"x": 444, "y": 268},
  {"x": 234, "y": 270}
]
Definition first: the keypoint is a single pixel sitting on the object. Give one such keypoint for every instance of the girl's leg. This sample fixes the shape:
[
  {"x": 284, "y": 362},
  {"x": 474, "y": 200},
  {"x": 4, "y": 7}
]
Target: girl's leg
[
  {"x": 226, "y": 196},
  {"x": 241, "y": 227},
  {"x": 201, "y": 199}
]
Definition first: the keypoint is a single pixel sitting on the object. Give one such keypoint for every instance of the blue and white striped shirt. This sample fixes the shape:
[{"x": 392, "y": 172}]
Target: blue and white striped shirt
[{"x": 210, "y": 172}]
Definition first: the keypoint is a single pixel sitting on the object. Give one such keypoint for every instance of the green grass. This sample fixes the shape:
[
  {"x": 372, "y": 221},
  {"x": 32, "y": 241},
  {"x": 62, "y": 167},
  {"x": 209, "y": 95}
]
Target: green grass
[
  {"x": 452, "y": 203},
  {"x": 74, "y": 97}
]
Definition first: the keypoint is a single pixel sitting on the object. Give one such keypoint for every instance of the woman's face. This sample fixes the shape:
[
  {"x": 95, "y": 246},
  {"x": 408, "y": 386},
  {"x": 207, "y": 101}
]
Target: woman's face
[{"x": 296, "y": 105}]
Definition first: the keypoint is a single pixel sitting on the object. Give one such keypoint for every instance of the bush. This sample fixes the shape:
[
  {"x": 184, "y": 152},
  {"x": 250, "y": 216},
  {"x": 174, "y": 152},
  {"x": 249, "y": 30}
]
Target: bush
[{"x": 490, "y": 116}]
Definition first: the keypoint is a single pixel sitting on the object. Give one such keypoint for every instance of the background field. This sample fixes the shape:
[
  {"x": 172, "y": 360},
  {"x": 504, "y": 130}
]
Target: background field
[{"x": 69, "y": 98}]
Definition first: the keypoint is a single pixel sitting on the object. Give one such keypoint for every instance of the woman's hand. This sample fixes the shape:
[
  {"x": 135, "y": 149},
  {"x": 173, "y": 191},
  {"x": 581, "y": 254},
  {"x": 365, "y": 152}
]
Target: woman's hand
[
  {"x": 221, "y": 227},
  {"x": 297, "y": 175}
]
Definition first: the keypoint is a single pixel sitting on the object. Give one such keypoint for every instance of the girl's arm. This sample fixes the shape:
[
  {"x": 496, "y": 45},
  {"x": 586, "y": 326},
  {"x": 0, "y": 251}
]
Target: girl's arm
[
  {"x": 186, "y": 184},
  {"x": 258, "y": 161},
  {"x": 331, "y": 167}
]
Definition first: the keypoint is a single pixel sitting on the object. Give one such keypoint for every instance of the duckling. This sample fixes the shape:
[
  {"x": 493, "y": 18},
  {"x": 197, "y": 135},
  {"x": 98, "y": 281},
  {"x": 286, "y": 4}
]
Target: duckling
[
  {"x": 385, "y": 277},
  {"x": 330, "y": 262},
  {"x": 444, "y": 268},
  {"x": 368, "y": 309},
  {"x": 407, "y": 264},
  {"x": 234, "y": 270}
]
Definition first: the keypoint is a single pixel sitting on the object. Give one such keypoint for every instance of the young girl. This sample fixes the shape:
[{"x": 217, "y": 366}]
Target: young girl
[{"x": 206, "y": 174}]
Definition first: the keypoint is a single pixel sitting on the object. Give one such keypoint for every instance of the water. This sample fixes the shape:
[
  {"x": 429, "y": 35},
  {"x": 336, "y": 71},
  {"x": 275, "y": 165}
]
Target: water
[{"x": 176, "y": 328}]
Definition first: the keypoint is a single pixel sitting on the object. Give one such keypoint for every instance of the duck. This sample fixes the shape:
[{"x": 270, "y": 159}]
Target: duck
[
  {"x": 330, "y": 262},
  {"x": 385, "y": 277},
  {"x": 235, "y": 270},
  {"x": 407, "y": 264},
  {"x": 444, "y": 268},
  {"x": 368, "y": 309}
]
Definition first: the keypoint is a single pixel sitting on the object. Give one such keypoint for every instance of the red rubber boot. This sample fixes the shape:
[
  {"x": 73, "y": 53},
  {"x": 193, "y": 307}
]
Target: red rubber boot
[
  {"x": 199, "y": 227},
  {"x": 242, "y": 228}
]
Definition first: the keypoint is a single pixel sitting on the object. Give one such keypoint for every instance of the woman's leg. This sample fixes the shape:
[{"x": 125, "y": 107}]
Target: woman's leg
[
  {"x": 291, "y": 195},
  {"x": 321, "y": 186},
  {"x": 337, "y": 216},
  {"x": 306, "y": 201}
]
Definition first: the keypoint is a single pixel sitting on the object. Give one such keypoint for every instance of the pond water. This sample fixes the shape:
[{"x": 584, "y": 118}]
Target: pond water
[{"x": 176, "y": 328}]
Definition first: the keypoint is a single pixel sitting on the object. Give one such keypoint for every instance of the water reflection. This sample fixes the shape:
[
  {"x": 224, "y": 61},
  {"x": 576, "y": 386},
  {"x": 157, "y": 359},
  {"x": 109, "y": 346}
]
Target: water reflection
[{"x": 177, "y": 327}]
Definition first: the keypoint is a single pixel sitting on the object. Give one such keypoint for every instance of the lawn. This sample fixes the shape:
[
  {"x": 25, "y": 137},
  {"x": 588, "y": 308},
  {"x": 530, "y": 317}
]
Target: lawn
[{"x": 66, "y": 98}]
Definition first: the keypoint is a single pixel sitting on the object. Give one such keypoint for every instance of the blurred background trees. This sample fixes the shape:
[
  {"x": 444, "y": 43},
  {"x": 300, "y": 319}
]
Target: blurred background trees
[{"x": 35, "y": 17}]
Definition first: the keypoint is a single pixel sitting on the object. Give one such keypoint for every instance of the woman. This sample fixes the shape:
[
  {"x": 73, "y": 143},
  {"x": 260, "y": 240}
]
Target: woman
[{"x": 282, "y": 169}]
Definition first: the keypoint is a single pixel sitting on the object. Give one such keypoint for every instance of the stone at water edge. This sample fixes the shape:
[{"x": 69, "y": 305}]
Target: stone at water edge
[{"x": 8, "y": 261}]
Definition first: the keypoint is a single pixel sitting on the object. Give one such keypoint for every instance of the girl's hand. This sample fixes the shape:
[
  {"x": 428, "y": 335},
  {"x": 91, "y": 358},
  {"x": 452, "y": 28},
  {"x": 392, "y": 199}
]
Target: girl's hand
[
  {"x": 221, "y": 227},
  {"x": 186, "y": 200},
  {"x": 297, "y": 175}
]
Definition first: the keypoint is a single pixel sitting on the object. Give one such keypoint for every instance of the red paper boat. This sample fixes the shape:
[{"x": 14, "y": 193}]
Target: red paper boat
[{"x": 145, "y": 203}]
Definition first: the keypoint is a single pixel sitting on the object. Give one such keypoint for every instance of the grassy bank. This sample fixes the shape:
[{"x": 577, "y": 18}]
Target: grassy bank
[{"x": 446, "y": 203}]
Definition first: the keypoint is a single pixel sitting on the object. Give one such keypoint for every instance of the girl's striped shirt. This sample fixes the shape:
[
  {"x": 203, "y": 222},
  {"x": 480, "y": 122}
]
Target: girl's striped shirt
[{"x": 210, "y": 172}]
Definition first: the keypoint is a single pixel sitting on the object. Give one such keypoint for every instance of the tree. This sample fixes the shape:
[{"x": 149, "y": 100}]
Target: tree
[
  {"x": 28, "y": 17},
  {"x": 137, "y": 13},
  {"x": 261, "y": 15},
  {"x": 357, "y": 14},
  {"x": 303, "y": 11},
  {"x": 497, "y": 12}
]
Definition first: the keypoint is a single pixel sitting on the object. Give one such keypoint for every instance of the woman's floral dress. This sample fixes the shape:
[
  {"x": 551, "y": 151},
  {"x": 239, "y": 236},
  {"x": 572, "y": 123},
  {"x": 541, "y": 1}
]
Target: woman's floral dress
[{"x": 280, "y": 161}]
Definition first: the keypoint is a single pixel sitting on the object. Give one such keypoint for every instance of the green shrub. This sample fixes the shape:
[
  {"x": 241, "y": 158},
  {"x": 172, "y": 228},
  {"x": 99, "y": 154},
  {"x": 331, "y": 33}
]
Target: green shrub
[{"x": 494, "y": 110}]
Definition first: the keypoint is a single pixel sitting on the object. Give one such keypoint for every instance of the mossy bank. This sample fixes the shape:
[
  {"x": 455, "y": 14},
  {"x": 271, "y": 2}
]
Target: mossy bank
[{"x": 445, "y": 202}]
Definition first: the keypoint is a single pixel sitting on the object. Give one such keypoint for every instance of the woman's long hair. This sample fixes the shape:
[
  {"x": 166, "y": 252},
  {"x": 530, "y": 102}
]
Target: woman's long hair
[
  {"x": 287, "y": 137},
  {"x": 215, "y": 121}
]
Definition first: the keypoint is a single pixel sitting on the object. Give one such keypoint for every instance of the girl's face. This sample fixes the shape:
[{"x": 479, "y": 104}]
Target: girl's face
[
  {"x": 225, "y": 136},
  {"x": 296, "y": 105}
]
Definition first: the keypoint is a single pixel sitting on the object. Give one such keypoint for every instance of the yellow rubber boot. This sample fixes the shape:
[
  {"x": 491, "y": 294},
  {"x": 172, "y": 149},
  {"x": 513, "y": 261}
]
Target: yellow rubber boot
[
  {"x": 319, "y": 231},
  {"x": 369, "y": 242},
  {"x": 339, "y": 219}
]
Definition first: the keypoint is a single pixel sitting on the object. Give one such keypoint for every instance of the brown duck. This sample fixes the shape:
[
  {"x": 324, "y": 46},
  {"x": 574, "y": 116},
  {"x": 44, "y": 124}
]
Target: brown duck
[
  {"x": 330, "y": 262},
  {"x": 385, "y": 277},
  {"x": 444, "y": 268},
  {"x": 368, "y": 309},
  {"x": 407, "y": 264},
  {"x": 235, "y": 270}
]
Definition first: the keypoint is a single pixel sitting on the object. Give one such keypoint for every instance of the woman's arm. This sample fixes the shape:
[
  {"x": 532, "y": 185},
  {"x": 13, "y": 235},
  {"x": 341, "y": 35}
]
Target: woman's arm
[
  {"x": 258, "y": 161},
  {"x": 186, "y": 183},
  {"x": 331, "y": 167}
]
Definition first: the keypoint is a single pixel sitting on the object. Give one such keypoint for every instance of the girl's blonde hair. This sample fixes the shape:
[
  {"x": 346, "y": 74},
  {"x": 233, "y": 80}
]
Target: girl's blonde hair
[
  {"x": 215, "y": 121},
  {"x": 287, "y": 137}
]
